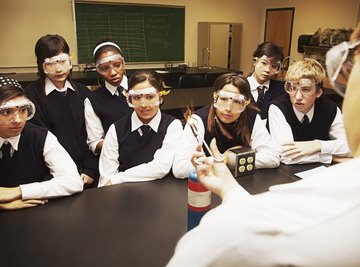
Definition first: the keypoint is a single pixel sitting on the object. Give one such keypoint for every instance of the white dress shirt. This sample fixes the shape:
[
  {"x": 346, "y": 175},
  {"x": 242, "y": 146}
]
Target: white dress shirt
[
  {"x": 281, "y": 133},
  {"x": 94, "y": 128},
  {"x": 50, "y": 86},
  {"x": 66, "y": 179},
  {"x": 266, "y": 156},
  {"x": 312, "y": 222},
  {"x": 155, "y": 169},
  {"x": 254, "y": 85}
]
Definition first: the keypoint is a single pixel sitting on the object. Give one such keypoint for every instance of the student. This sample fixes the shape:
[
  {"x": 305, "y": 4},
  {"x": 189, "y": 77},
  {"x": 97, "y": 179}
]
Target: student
[
  {"x": 311, "y": 222},
  {"x": 59, "y": 103},
  {"x": 33, "y": 165},
  {"x": 306, "y": 126},
  {"x": 106, "y": 104},
  {"x": 267, "y": 60},
  {"x": 140, "y": 146},
  {"x": 233, "y": 121}
]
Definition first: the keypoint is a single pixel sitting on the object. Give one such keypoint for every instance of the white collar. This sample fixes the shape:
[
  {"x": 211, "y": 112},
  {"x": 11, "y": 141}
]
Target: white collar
[
  {"x": 112, "y": 89},
  {"x": 50, "y": 86},
  {"x": 254, "y": 83},
  {"x": 136, "y": 123},
  {"x": 14, "y": 141},
  {"x": 300, "y": 115}
]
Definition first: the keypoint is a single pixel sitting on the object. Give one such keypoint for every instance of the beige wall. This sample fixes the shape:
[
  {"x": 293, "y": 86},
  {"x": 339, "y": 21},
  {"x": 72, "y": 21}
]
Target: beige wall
[{"x": 24, "y": 21}]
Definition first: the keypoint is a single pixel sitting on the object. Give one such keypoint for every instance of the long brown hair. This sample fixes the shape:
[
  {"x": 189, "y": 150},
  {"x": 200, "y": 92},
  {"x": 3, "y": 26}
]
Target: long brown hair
[{"x": 241, "y": 125}]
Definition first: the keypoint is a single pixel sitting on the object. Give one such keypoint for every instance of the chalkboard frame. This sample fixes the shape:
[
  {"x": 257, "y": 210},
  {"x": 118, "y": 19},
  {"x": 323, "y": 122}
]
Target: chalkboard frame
[{"x": 153, "y": 33}]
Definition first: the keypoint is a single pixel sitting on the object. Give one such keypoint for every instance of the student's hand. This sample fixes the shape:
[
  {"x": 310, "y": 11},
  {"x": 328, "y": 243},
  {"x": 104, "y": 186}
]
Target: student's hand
[
  {"x": 86, "y": 179},
  {"x": 8, "y": 194},
  {"x": 22, "y": 204},
  {"x": 299, "y": 149},
  {"x": 198, "y": 156},
  {"x": 216, "y": 176}
]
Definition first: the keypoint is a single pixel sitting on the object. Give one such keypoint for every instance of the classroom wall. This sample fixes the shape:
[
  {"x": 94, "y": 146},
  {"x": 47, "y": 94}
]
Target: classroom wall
[
  {"x": 311, "y": 15},
  {"x": 24, "y": 21}
]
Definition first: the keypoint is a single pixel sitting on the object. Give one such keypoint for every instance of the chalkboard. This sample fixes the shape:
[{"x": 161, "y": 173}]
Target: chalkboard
[{"x": 144, "y": 33}]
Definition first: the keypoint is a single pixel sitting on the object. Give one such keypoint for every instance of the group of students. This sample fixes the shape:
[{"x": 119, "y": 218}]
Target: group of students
[{"x": 117, "y": 133}]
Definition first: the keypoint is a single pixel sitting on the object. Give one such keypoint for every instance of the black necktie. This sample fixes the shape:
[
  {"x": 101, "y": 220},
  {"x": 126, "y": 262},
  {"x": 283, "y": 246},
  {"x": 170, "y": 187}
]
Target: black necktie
[
  {"x": 145, "y": 129},
  {"x": 119, "y": 90},
  {"x": 305, "y": 120},
  {"x": 261, "y": 94},
  {"x": 5, "y": 151}
]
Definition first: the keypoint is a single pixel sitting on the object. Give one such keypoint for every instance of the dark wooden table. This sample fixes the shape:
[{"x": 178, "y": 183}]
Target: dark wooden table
[{"x": 132, "y": 224}]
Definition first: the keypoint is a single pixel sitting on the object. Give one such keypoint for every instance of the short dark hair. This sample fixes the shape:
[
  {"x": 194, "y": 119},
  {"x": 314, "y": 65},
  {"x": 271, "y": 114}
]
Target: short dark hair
[
  {"x": 48, "y": 46},
  {"x": 269, "y": 49},
  {"x": 151, "y": 76}
]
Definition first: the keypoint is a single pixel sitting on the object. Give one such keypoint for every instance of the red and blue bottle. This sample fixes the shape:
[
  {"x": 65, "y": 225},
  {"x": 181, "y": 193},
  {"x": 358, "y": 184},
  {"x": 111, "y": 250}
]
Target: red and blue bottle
[{"x": 199, "y": 200}]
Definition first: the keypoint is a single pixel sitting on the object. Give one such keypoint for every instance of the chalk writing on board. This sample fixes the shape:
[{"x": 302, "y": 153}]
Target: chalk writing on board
[{"x": 143, "y": 33}]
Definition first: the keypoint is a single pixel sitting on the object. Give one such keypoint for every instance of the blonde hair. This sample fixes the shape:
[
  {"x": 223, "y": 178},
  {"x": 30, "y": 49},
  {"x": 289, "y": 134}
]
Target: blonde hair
[{"x": 306, "y": 68}]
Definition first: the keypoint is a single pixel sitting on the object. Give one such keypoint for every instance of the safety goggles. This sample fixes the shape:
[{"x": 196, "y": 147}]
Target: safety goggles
[
  {"x": 339, "y": 63},
  {"x": 11, "y": 110},
  {"x": 143, "y": 97},
  {"x": 227, "y": 100},
  {"x": 306, "y": 87},
  {"x": 263, "y": 63},
  {"x": 107, "y": 64},
  {"x": 57, "y": 63}
]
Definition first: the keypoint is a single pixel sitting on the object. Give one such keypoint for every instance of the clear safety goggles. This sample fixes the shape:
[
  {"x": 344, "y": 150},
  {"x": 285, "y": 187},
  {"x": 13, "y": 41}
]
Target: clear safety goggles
[
  {"x": 227, "y": 100},
  {"x": 143, "y": 97},
  {"x": 107, "y": 64},
  {"x": 263, "y": 63},
  {"x": 57, "y": 63},
  {"x": 339, "y": 63},
  {"x": 12, "y": 110},
  {"x": 306, "y": 87}
]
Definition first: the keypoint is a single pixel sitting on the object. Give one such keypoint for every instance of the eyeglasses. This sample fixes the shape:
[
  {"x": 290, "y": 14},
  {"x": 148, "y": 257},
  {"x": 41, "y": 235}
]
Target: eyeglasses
[
  {"x": 61, "y": 62},
  {"x": 227, "y": 100},
  {"x": 339, "y": 63},
  {"x": 13, "y": 110},
  {"x": 306, "y": 87},
  {"x": 264, "y": 63},
  {"x": 143, "y": 97}
]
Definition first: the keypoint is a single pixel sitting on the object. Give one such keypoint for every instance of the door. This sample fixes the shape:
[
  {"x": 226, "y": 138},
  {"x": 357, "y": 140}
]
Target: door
[{"x": 278, "y": 27}]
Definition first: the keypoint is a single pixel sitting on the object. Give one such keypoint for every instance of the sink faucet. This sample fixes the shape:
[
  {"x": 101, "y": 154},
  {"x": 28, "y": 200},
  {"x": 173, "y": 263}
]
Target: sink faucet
[{"x": 207, "y": 51}]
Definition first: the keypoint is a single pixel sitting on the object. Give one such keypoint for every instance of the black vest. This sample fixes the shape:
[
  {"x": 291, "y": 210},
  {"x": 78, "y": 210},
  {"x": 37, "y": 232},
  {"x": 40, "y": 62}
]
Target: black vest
[
  {"x": 135, "y": 149},
  {"x": 276, "y": 89},
  {"x": 221, "y": 141},
  {"x": 109, "y": 108},
  {"x": 324, "y": 115},
  {"x": 63, "y": 115},
  {"x": 27, "y": 164}
]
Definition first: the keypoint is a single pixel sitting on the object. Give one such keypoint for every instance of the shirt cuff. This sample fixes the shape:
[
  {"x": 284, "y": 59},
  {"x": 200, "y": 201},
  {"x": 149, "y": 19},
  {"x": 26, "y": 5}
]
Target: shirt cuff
[
  {"x": 30, "y": 191},
  {"x": 116, "y": 180}
]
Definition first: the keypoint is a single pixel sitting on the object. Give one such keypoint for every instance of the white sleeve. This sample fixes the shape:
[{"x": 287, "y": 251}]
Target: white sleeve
[
  {"x": 66, "y": 179},
  {"x": 108, "y": 162},
  {"x": 158, "y": 168},
  {"x": 266, "y": 155},
  {"x": 281, "y": 134},
  {"x": 338, "y": 144},
  {"x": 94, "y": 129},
  {"x": 186, "y": 147}
]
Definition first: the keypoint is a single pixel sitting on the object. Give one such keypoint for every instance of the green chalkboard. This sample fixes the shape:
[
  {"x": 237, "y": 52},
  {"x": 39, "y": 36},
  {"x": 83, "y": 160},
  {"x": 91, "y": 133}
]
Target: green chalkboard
[{"x": 144, "y": 33}]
